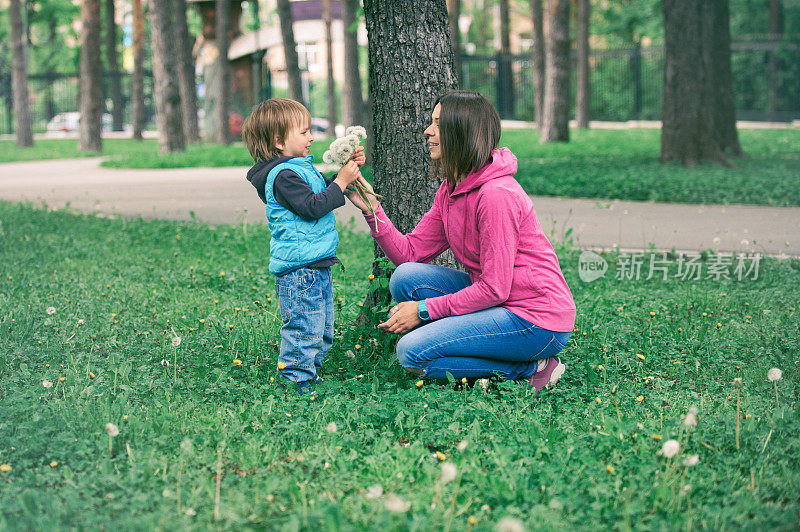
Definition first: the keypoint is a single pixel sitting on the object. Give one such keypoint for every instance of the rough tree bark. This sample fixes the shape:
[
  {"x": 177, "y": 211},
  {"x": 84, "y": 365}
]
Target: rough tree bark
[
  {"x": 454, "y": 13},
  {"x": 186, "y": 78},
  {"x": 555, "y": 116},
  {"x": 19, "y": 74},
  {"x": 168, "y": 100},
  {"x": 506, "y": 72},
  {"x": 137, "y": 81},
  {"x": 775, "y": 34},
  {"x": 327, "y": 18},
  {"x": 115, "y": 76},
  {"x": 537, "y": 59},
  {"x": 718, "y": 62},
  {"x": 583, "y": 93},
  {"x": 91, "y": 100},
  {"x": 353, "y": 99},
  {"x": 290, "y": 51},
  {"x": 223, "y": 80},
  {"x": 410, "y": 67}
]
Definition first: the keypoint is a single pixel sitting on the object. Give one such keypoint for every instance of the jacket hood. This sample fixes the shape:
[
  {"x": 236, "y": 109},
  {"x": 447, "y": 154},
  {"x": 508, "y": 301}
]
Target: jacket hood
[
  {"x": 257, "y": 175},
  {"x": 503, "y": 163}
]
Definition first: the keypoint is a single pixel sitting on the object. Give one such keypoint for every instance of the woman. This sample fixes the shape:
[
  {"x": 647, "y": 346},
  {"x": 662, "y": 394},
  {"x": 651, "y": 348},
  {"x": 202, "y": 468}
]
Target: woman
[{"x": 512, "y": 312}]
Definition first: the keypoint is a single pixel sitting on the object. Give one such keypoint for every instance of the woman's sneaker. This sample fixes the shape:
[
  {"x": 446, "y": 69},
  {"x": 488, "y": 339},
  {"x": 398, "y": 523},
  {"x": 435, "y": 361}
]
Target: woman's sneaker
[{"x": 548, "y": 374}]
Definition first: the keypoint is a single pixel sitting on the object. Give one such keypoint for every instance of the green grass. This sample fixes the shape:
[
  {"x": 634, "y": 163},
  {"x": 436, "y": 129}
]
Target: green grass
[
  {"x": 137, "y": 284},
  {"x": 69, "y": 149}
]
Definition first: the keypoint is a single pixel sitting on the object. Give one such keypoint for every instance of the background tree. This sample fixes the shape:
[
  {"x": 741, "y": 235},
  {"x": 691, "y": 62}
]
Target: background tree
[
  {"x": 775, "y": 34},
  {"x": 290, "y": 51},
  {"x": 454, "y": 13},
  {"x": 410, "y": 67},
  {"x": 698, "y": 95},
  {"x": 327, "y": 18},
  {"x": 583, "y": 99},
  {"x": 114, "y": 74},
  {"x": 137, "y": 79},
  {"x": 555, "y": 117},
  {"x": 91, "y": 99},
  {"x": 537, "y": 59},
  {"x": 168, "y": 100},
  {"x": 506, "y": 103},
  {"x": 19, "y": 74},
  {"x": 186, "y": 80},
  {"x": 353, "y": 99},
  {"x": 223, "y": 79}
]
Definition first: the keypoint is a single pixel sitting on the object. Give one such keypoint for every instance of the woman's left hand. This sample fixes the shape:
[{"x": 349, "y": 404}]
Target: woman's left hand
[{"x": 402, "y": 318}]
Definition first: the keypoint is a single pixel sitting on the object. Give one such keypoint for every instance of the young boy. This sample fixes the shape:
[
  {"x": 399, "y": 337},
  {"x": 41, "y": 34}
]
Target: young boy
[{"x": 299, "y": 204}]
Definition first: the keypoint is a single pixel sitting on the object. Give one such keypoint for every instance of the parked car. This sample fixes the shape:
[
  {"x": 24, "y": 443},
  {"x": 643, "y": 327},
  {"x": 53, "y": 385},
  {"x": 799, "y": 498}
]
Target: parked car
[{"x": 70, "y": 122}]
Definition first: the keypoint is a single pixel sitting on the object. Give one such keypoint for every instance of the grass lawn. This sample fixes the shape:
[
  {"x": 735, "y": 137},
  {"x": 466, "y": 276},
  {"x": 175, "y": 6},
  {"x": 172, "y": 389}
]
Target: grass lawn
[
  {"x": 603, "y": 164},
  {"x": 363, "y": 455}
]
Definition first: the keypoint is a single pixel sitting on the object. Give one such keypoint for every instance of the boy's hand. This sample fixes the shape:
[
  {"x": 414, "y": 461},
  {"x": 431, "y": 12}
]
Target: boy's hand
[
  {"x": 347, "y": 175},
  {"x": 358, "y": 156}
]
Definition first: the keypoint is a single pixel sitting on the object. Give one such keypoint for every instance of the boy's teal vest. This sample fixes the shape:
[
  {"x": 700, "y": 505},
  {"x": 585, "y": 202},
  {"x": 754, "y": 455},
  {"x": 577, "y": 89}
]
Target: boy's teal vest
[{"x": 296, "y": 242}]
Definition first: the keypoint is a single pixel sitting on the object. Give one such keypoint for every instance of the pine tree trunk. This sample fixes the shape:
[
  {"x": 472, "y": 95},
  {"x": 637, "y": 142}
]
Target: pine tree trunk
[
  {"x": 168, "y": 100},
  {"x": 290, "y": 51},
  {"x": 186, "y": 77},
  {"x": 454, "y": 13},
  {"x": 19, "y": 73},
  {"x": 583, "y": 97},
  {"x": 555, "y": 118},
  {"x": 353, "y": 110},
  {"x": 115, "y": 76},
  {"x": 91, "y": 104},
  {"x": 410, "y": 67},
  {"x": 137, "y": 81},
  {"x": 506, "y": 72},
  {"x": 223, "y": 81},
  {"x": 537, "y": 59},
  {"x": 328, "y": 20}
]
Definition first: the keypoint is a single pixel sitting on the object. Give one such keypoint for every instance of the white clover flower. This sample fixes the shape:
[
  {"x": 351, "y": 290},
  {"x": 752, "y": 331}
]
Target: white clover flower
[
  {"x": 331, "y": 427},
  {"x": 358, "y": 131},
  {"x": 51, "y": 311},
  {"x": 176, "y": 341},
  {"x": 164, "y": 362},
  {"x": 80, "y": 322},
  {"x": 484, "y": 384},
  {"x": 112, "y": 430},
  {"x": 510, "y": 524},
  {"x": 47, "y": 384},
  {"x": 395, "y": 503},
  {"x": 449, "y": 472},
  {"x": 670, "y": 448},
  {"x": 691, "y": 460},
  {"x": 774, "y": 374},
  {"x": 462, "y": 445},
  {"x": 374, "y": 491}
]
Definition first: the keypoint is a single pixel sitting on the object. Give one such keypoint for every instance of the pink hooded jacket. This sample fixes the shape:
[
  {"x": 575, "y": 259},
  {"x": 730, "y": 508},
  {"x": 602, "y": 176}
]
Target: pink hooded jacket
[{"x": 489, "y": 223}]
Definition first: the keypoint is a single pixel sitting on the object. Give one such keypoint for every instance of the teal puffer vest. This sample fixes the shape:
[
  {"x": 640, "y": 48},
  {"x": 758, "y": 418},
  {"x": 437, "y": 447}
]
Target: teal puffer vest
[{"x": 296, "y": 242}]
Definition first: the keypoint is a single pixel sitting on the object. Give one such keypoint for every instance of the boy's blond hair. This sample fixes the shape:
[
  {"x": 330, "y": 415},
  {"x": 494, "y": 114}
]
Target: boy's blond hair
[{"x": 269, "y": 124}]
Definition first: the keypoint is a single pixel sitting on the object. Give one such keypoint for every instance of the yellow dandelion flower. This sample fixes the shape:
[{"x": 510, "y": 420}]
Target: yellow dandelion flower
[
  {"x": 748, "y": 416},
  {"x": 719, "y": 325},
  {"x": 640, "y": 398},
  {"x": 705, "y": 314},
  {"x": 202, "y": 320},
  {"x": 652, "y": 314},
  {"x": 601, "y": 367},
  {"x": 237, "y": 309},
  {"x": 749, "y": 317},
  {"x": 371, "y": 277},
  {"x": 598, "y": 400},
  {"x": 222, "y": 274},
  {"x": 237, "y": 361},
  {"x": 420, "y": 383},
  {"x": 610, "y": 469},
  {"x": 677, "y": 362},
  {"x": 312, "y": 398},
  {"x": 339, "y": 300},
  {"x": 357, "y": 346},
  {"x": 472, "y": 520},
  {"x": 657, "y": 436},
  {"x": 680, "y": 329},
  {"x": 5, "y": 468},
  {"x": 640, "y": 356},
  {"x": 91, "y": 375},
  {"x": 463, "y": 380},
  {"x": 272, "y": 379},
  {"x": 338, "y": 447},
  {"x": 230, "y": 326},
  {"x": 255, "y": 288},
  {"x": 125, "y": 416},
  {"x": 441, "y": 456},
  {"x": 53, "y": 464},
  {"x": 47, "y": 365},
  {"x": 281, "y": 365},
  {"x": 62, "y": 379}
]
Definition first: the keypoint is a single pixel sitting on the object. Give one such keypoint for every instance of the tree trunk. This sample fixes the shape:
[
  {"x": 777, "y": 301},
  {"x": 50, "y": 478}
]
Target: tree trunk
[
  {"x": 537, "y": 59},
  {"x": 353, "y": 101},
  {"x": 410, "y": 67},
  {"x": 137, "y": 81},
  {"x": 186, "y": 78},
  {"x": 223, "y": 81},
  {"x": 506, "y": 72},
  {"x": 717, "y": 18},
  {"x": 583, "y": 97},
  {"x": 115, "y": 76},
  {"x": 290, "y": 51},
  {"x": 454, "y": 13},
  {"x": 168, "y": 100},
  {"x": 91, "y": 104},
  {"x": 687, "y": 133},
  {"x": 19, "y": 73},
  {"x": 775, "y": 34},
  {"x": 327, "y": 18},
  {"x": 555, "y": 118}
]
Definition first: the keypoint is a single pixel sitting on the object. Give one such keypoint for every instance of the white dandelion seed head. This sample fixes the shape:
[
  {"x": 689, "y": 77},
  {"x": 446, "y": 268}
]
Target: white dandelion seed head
[
  {"x": 167, "y": 493},
  {"x": 327, "y": 157},
  {"x": 47, "y": 384},
  {"x": 449, "y": 472},
  {"x": 358, "y": 131},
  {"x": 349, "y": 354},
  {"x": 691, "y": 460},
  {"x": 670, "y": 448},
  {"x": 462, "y": 445},
  {"x": 484, "y": 384},
  {"x": 686, "y": 489},
  {"x": 353, "y": 141},
  {"x": 510, "y": 524},
  {"x": 693, "y": 410},
  {"x": 112, "y": 430},
  {"x": 51, "y": 311},
  {"x": 690, "y": 420},
  {"x": 176, "y": 341},
  {"x": 374, "y": 491},
  {"x": 186, "y": 445},
  {"x": 774, "y": 374},
  {"x": 191, "y": 512},
  {"x": 331, "y": 427},
  {"x": 737, "y": 382},
  {"x": 395, "y": 503}
]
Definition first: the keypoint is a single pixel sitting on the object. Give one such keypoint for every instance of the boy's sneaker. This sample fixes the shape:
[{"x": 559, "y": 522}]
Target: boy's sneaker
[
  {"x": 304, "y": 387},
  {"x": 547, "y": 375}
]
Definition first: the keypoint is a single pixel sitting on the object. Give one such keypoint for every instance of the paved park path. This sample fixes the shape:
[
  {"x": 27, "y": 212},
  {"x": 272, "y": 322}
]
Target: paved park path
[{"x": 223, "y": 195}]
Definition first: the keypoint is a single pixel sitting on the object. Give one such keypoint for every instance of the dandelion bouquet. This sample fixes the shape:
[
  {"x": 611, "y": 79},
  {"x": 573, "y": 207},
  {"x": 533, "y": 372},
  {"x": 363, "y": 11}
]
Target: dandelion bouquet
[{"x": 341, "y": 150}]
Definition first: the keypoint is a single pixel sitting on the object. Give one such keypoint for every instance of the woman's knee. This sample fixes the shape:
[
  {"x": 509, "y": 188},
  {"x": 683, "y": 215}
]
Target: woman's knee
[
  {"x": 406, "y": 354},
  {"x": 404, "y": 280}
]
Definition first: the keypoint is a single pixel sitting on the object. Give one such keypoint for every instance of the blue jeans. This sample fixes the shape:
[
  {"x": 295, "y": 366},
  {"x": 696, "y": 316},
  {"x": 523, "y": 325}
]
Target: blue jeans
[
  {"x": 488, "y": 342},
  {"x": 306, "y": 300}
]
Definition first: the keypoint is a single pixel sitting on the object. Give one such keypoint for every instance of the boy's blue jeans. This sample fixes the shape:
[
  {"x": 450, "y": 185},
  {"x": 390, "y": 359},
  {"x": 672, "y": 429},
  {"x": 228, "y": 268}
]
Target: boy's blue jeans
[
  {"x": 489, "y": 342},
  {"x": 306, "y": 300}
]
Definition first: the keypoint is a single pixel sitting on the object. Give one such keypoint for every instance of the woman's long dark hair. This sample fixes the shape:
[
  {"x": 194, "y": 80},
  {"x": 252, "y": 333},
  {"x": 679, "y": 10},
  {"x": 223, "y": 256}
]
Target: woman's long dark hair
[{"x": 469, "y": 129}]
